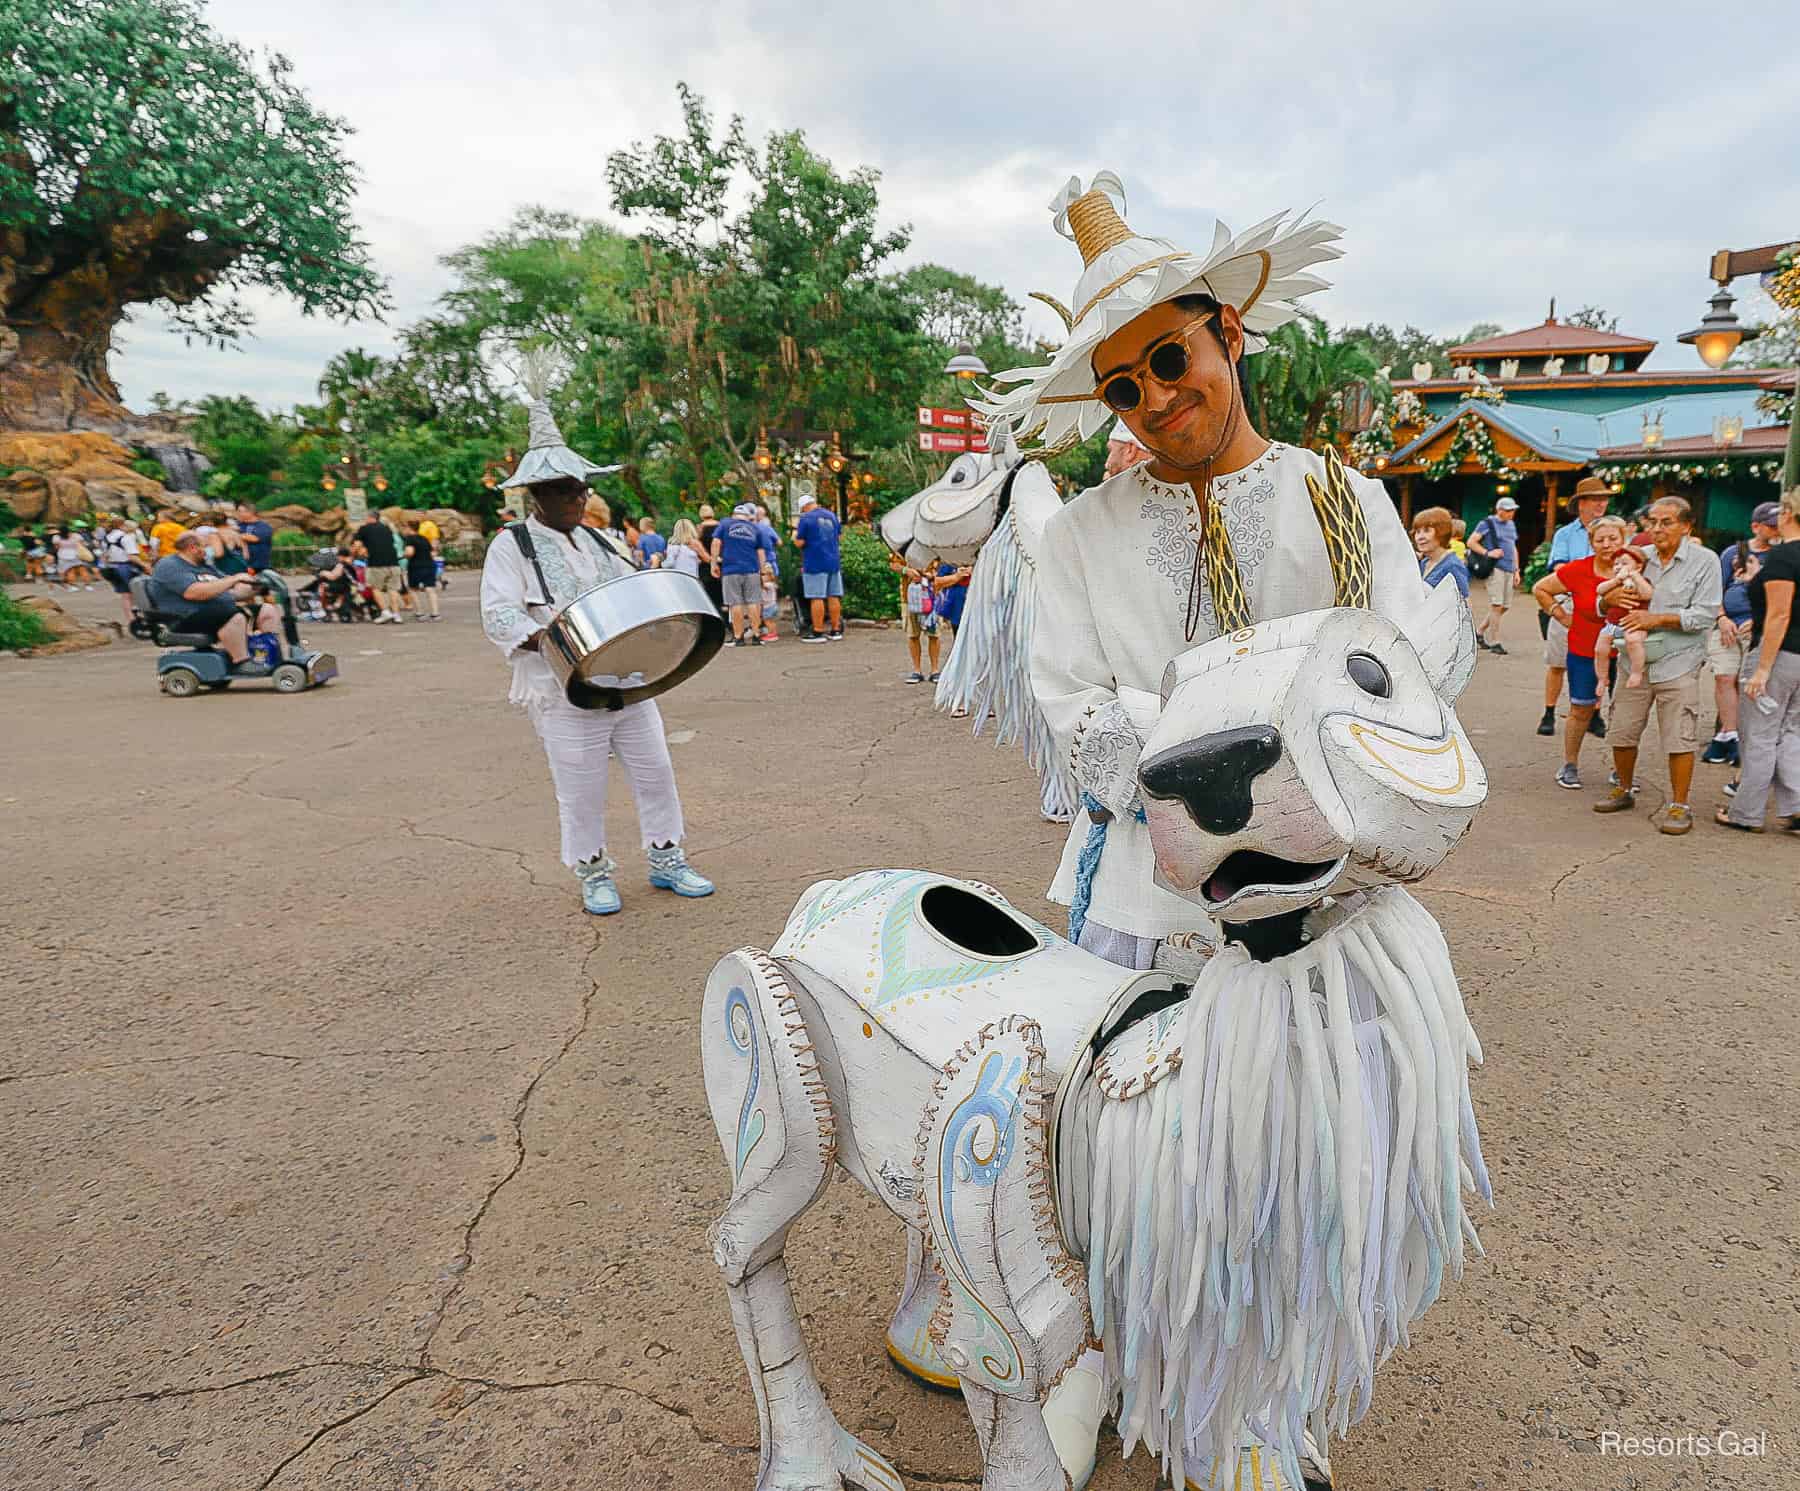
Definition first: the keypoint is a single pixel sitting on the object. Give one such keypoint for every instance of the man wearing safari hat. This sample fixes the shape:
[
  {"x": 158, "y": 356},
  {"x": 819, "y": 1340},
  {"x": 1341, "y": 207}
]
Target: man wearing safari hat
[
  {"x": 532, "y": 570},
  {"x": 1220, "y": 528}
]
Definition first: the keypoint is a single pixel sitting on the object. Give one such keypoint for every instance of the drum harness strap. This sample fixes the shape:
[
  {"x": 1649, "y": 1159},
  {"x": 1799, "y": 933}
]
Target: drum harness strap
[{"x": 529, "y": 550}]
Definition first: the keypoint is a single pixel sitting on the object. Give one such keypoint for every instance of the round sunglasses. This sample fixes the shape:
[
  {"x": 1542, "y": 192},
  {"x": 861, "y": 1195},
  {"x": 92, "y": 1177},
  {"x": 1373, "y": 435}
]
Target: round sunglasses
[{"x": 1166, "y": 361}]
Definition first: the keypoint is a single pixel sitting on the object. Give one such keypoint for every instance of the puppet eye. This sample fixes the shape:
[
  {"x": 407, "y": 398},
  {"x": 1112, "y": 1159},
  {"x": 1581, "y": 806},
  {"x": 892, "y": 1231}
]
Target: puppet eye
[{"x": 1367, "y": 673}]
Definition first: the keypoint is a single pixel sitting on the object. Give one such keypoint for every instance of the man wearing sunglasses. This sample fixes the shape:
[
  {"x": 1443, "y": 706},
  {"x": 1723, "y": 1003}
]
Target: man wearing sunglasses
[{"x": 1220, "y": 528}]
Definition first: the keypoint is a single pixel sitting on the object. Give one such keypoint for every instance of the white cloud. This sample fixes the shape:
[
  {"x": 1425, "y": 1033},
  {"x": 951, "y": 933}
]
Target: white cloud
[{"x": 1480, "y": 161}]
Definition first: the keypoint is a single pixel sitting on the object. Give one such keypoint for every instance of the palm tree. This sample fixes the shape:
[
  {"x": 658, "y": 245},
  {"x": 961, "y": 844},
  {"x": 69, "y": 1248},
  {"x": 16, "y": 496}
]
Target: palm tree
[
  {"x": 1305, "y": 368},
  {"x": 348, "y": 378}
]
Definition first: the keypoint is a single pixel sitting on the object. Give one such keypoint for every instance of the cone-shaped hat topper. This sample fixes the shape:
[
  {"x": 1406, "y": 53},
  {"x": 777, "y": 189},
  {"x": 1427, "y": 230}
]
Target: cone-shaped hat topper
[
  {"x": 547, "y": 456},
  {"x": 1260, "y": 272}
]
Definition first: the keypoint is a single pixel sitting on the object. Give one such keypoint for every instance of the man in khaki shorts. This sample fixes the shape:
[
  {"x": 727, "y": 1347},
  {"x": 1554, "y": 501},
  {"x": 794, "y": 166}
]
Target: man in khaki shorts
[
  {"x": 1684, "y": 604},
  {"x": 1497, "y": 534}
]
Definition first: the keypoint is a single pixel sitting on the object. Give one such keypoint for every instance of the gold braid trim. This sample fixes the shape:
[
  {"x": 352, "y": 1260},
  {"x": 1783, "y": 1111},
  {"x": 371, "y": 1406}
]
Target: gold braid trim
[
  {"x": 1230, "y": 603},
  {"x": 1346, "y": 530}
]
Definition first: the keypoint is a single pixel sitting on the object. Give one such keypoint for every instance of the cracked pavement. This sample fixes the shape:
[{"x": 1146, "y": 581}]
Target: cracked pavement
[{"x": 344, "y": 1152}]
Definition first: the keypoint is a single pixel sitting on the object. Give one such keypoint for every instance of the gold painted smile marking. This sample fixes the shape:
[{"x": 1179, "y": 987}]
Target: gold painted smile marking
[{"x": 1362, "y": 735}]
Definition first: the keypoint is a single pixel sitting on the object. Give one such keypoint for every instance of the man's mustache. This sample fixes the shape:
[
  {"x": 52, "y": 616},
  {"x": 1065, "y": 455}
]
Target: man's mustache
[{"x": 1173, "y": 412}]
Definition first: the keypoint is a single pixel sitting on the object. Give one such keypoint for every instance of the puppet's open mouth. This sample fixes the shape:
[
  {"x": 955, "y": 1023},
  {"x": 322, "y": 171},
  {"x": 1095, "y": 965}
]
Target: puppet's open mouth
[{"x": 1247, "y": 872}]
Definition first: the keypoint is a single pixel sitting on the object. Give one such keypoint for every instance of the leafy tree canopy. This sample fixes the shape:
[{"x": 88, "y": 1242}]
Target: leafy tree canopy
[{"x": 133, "y": 134}]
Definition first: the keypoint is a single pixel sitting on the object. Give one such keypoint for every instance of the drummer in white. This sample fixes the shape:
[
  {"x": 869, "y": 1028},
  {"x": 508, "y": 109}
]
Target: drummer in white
[{"x": 532, "y": 570}]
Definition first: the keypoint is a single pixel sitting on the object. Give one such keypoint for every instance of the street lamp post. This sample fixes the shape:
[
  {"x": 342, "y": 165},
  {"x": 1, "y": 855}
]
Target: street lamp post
[
  {"x": 356, "y": 474},
  {"x": 1719, "y": 332},
  {"x": 838, "y": 464}
]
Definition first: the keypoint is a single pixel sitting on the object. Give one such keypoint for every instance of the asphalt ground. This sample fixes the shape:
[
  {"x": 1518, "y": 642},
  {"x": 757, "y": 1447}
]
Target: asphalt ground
[{"x": 342, "y": 1151}]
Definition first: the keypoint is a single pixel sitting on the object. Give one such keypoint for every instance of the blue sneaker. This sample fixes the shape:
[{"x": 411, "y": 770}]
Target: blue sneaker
[
  {"x": 599, "y": 894},
  {"x": 669, "y": 870}
]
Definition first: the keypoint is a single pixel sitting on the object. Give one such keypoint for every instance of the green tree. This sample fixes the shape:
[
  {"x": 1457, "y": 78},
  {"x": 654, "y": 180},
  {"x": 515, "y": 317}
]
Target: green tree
[
  {"x": 777, "y": 315},
  {"x": 1302, "y": 377},
  {"x": 145, "y": 160}
]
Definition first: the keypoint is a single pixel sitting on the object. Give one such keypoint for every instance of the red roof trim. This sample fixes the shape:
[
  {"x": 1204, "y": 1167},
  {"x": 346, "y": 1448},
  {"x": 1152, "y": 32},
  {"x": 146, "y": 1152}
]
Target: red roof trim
[{"x": 1552, "y": 336}]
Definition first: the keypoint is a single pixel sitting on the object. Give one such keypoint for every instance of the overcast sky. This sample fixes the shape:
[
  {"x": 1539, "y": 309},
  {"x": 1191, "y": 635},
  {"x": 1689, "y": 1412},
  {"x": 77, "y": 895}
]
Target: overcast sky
[{"x": 1481, "y": 160}]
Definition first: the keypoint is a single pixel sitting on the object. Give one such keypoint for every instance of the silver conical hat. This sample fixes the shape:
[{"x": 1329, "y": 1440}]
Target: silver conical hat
[{"x": 548, "y": 458}]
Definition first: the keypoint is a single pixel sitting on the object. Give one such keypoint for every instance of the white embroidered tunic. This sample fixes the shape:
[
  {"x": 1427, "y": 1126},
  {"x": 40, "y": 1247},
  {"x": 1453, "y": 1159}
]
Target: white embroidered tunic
[
  {"x": 512, "y": 601},
  {"x": 1112, "y": 602}
]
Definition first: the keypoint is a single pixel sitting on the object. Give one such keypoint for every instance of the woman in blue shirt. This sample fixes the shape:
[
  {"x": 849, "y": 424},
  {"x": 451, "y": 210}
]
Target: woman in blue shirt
[{"x": 1437, "y": 560}]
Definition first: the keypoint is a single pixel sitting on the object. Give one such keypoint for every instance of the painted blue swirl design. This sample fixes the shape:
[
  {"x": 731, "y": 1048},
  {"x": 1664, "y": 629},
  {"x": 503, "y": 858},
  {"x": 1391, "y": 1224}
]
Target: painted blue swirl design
[
  {"x": 750, "y": 1123},
  {"x": 979, "y": 1138}
]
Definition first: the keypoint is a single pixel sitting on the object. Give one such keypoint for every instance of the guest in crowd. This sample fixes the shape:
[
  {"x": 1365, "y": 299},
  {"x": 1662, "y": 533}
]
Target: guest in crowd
[
  {"x": 163, "y": 533},
  {"x": 651, "y": 545},
  {"x": 684, "y": 553},
  {"x": 421, "y": 573},
  {"x": 1769, "y": 714},
  {"x": 1725, "y": 651},
  {"x": 741, "y": 561},
  {"x": 258, "y": 537},
  {"x": 821, "y": 570},
  {"x": 705, "y": 525},
  {"x": 1497, "y": 537},
  {"x": 74, "y": 559},
  {"x": 120, "y": 553},
  {"x": 917, "y": 619},
  {"x": 1569, "y": 595},
  {"x": 1569, "y": 542},
  {"x": 1684, "y": 603},
  {"x": 1438, "y": 562},
  {"x": 950, "y": 589},
  {"x": 771, "y": 591},
  {"x": 382, "y": 551}
]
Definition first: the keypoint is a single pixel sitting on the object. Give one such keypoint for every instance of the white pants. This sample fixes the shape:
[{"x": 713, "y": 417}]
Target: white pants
[{"x": 579, "y": 743}]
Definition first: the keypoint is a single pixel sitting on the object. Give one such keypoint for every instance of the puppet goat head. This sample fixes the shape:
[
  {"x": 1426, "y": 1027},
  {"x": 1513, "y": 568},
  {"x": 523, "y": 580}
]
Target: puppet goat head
[
  {"x": 1309, "y": 755},
  {"x": 948, "y": 521}
]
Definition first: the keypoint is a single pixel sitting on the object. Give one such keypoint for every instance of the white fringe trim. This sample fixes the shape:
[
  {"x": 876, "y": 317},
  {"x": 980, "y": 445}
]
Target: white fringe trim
[
  {"x": 989, "y": 669},
  {"x": 1264, "y": 1225}
]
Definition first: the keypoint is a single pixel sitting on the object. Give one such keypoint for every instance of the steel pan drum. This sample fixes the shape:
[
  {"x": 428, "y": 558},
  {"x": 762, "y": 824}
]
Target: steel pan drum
[{"x": 632, "y": 638}]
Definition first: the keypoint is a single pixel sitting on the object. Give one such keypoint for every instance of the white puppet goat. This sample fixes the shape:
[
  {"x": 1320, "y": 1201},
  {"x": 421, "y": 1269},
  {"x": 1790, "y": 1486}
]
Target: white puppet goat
[{"x": 1246, "y": 1188}]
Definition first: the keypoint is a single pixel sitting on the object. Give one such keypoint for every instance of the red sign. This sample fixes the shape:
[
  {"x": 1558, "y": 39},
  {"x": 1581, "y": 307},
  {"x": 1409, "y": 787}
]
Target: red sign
[
  {"x": 950, "y": 443},
  {"x": 946, "y": 419}
]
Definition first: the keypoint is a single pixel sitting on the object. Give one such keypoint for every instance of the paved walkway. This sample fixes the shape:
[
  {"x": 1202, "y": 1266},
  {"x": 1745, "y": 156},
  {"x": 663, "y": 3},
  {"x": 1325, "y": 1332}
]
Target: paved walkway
[{"x": 342, "y": 1151}]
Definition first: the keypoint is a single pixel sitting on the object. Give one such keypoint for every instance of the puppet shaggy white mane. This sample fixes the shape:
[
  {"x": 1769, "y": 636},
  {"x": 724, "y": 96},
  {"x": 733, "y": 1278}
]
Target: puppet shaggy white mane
[{"x": 1264, "y": 1224}]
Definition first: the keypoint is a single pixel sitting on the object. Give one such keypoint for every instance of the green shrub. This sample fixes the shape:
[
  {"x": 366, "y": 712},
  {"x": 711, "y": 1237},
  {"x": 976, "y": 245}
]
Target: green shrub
[
  {"x": 18, "y": 627},
  {"x": 871, "y": 589},
  {"x": 153, "y": 469}
]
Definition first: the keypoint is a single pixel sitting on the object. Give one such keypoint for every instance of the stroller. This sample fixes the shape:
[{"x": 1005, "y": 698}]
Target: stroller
[{"x": 338, "y": 590}]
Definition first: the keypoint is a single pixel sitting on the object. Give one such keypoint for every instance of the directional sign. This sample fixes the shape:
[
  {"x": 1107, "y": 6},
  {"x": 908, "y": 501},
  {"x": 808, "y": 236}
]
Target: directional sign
[
  {"x": 946, "y": 419},
  {"x": 950, "y": 443}
]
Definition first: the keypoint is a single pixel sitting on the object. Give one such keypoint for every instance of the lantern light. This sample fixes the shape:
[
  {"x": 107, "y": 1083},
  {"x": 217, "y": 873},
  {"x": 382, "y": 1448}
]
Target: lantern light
[
  {"x": 1719, "y": 332},
  {"x": 966, "y": 365}
]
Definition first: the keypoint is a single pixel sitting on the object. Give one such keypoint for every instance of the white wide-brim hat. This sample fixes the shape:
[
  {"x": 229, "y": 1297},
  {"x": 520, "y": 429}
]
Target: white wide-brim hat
[{"x": 1260, "y": 272}]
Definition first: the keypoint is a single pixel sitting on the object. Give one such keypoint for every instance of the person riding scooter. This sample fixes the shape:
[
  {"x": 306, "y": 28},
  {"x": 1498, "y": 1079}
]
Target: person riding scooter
[{"x": 183, "y": 585}]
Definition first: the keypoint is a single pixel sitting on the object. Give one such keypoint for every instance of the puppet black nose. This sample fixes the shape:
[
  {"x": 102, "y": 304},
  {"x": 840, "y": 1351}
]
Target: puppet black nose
[{"x": 1212, "y": 777}]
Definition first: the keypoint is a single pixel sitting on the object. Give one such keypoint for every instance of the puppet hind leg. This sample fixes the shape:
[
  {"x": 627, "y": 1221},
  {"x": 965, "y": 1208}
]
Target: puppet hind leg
[
  {"x": 776, "y": 1126},
  {"x": 909, "y": 1341}
]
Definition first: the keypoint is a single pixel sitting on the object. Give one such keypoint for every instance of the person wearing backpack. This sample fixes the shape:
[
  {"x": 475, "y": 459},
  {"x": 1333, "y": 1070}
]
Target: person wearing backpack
[{"x": 1494, "y": 559}]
